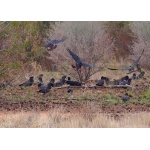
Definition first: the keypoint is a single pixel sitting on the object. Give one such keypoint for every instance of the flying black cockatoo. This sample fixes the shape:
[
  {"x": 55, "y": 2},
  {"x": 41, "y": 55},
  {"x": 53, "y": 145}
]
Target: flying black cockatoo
[
  {"x": 131, "y": 68},
  {"x": 27, "y": 83},
  {"x": 79, "y": 63},
  {"x": 52, "y": 44}
]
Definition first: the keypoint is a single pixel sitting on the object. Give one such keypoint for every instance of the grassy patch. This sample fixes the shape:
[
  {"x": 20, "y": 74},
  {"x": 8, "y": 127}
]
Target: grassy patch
[{"x": 110, "y": 99}]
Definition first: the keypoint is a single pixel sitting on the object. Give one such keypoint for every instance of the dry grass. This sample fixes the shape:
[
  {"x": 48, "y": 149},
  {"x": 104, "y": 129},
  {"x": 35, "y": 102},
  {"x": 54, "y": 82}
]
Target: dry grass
[{"x": 57, "y": 119}]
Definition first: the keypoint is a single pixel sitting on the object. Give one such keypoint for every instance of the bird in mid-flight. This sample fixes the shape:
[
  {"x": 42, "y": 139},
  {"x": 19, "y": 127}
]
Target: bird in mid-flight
[
  {"x": 78, "y": 62},
  {"x": 131, "y": 68},
  {"x": 52, "y": 44}
]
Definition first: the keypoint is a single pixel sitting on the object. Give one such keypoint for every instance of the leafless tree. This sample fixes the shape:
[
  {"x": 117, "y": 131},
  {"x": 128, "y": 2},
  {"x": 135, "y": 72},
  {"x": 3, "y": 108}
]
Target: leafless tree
[{"x": 86, "y": 39}]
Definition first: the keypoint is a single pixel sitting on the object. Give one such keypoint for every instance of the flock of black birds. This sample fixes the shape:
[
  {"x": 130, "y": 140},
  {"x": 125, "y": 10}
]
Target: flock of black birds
[
  {"x": 126, "y": 80},
  {"x": 45, "y": 88}
]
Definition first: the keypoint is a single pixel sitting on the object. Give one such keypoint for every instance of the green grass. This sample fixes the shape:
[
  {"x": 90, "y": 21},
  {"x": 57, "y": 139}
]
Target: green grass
[{"x": 28, "y": 94}]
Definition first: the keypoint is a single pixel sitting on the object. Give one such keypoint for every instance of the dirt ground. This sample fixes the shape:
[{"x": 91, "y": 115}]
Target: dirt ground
[{"x": 83, "y": 100}]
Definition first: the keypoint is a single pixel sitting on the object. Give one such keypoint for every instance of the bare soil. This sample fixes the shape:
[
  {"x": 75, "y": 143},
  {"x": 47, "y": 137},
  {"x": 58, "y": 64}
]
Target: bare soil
[{"x": 83, "y": 100}]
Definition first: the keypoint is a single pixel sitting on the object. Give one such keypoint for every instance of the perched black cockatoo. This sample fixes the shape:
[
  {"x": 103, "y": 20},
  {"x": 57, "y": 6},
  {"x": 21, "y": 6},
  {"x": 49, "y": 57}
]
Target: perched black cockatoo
[
  {"x": 101, "y": 81},
  {"x": 72, "y": 83},
  {"x": 27, "y": 83},
  {"x": 126, "y": 97},
  {"x": 45, "y": 89}
]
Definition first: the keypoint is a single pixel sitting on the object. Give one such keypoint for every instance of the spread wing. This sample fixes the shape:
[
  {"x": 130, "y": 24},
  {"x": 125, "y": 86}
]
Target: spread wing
[
  {"x": 137, "y": 61},
  {"x": 74, "y": 56},
  {"x": 55, "y": 41},
  {"x": 58, "y": 41},
  {"x": 133, "y": 66},
  {"x": 87, "y": 65}
]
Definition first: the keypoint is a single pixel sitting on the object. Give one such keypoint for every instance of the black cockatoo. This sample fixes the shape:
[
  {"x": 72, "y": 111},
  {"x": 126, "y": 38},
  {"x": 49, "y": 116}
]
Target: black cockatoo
[
  {"x": 52, "y": 44},
  {"x": 131, "y": 68},
  {"x": 78, "y": 62}
]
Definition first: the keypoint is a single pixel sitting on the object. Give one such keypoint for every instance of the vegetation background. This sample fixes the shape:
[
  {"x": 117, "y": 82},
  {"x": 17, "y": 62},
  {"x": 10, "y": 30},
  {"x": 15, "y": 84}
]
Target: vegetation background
[{"x": 101, "y": 43}]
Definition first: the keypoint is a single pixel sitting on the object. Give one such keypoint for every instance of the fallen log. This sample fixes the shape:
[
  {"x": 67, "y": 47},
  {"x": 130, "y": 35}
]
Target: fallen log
[{"x": 110, "y": 86}]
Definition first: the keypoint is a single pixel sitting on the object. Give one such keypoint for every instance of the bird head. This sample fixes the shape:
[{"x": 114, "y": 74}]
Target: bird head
[
  {"x": 31, "y": 77},
  {"x": 126, "y": 77},
  {"x": 69, "y": 78},
  {"x": 74, "y": 65},
  {"x": 52, "y": 80},
  {"x": 134, "y": 74},
  {"x": 102, "y": 77}
]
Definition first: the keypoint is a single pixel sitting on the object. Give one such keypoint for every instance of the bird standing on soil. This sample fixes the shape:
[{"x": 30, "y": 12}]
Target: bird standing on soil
[
  {"x": 124, "y": 80},
  {"x": 140, "y": 75},
  {"x": 100, "y": 82},
  {"x": 52, "y": 44},
  {"x": 45, "y": 89},
  {"x": 126, "y": 97},
  {"x": 27, "y": 83},
  {"x": 52, "y": 81},
  {"x": 40, "y": 78},
  {"x": 78, "y": 63},
  {"x": 133, "y": 76},
  {"x": 131, "y": 68},
  {"x": 60, "y": 82},
  {"x": 70, "y": 90},
  {"x": 108, "y": 82},
  {"x": 41, "y": 84},
  {"x": 72, "y": 83}
]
